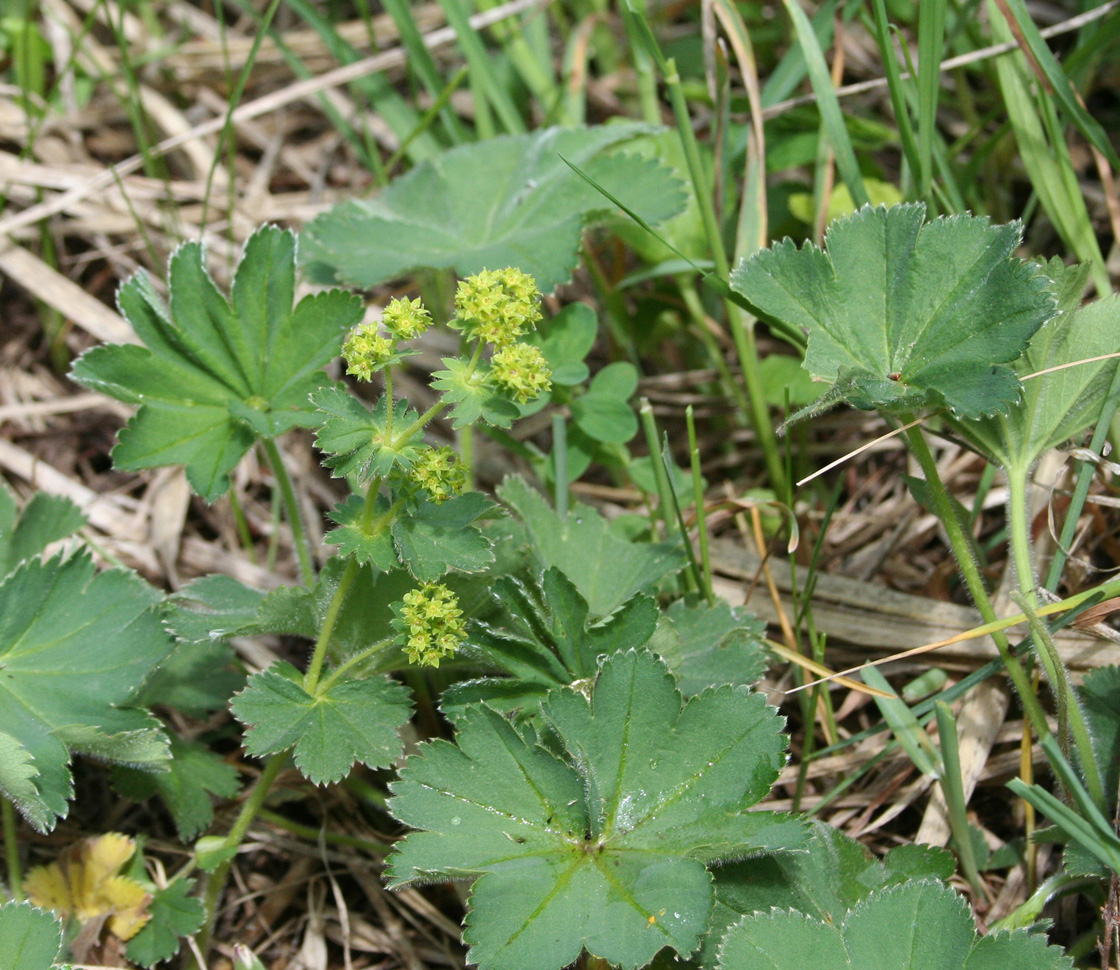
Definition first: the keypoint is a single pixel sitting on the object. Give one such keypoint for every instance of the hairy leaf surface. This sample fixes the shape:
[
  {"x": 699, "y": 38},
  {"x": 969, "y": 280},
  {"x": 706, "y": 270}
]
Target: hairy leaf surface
[
  {"x": 75, "y": 647},
  {"x": 902, "y": 315},
  {"x": 597, "y": 835},
  {"x": 923, "y": 925},
  {"x": 215, "y": 374},
  {"x": 507, "y": 201},
  {"x": 350, "y": 720}
]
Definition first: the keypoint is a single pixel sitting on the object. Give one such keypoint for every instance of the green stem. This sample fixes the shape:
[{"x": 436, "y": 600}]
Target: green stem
[
  {"x": 698, "y": 500},
  {"x": 1071, "y": 720},
  {"x": 375, "y": 849},
  {"x": 354, "y": 661},
  {"x": 11, "y": 849},
  {"x": 216, "y": 881},
  {"x": 962, "y": 552},
  {"x": 295, "y": 518},
  {"x": 349, "y": 574}
]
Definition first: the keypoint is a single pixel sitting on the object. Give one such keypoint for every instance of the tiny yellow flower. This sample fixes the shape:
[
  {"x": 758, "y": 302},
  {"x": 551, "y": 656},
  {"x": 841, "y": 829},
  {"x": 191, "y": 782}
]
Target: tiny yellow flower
[
  {"x": 406, "y": 319},
  {"x": 521, "y": 371},
  {"x": 440, "y": 473},
  {"x": 365, "y": 351},
  {"x": 498, "y": 306},
  {"x": 433, "y": 622}
]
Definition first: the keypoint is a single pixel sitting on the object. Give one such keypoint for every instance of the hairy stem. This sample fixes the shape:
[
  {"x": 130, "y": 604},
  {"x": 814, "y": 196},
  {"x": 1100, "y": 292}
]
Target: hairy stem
[
  {"x": 11, "y": 849},
  {"x": 971, "y": 574}
]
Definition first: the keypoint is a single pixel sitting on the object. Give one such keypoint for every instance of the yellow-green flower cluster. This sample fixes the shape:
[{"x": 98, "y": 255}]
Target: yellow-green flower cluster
[
  {"x": 434, "y": 623},
  {"x": 406, "y": 318},
  {"x": 366, "y": 350},
  {"x": 521, "y": 371},
  {"x": 440, "y": 473},
  {"x": 498, "y": 305}
]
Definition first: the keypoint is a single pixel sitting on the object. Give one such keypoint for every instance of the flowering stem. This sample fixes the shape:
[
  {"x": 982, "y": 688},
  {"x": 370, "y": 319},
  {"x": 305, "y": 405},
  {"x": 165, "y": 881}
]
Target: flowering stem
[
  {"x": 349, "y": 574},
  {"x": 295, "y": 519}
]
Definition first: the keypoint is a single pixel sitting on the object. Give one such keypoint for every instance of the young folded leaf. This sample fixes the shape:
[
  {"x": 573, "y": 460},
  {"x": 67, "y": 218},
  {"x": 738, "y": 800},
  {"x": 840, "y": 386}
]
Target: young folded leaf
[
  {"x": 902, "y": 315},
  {"x": 217, "y": 374},
  {"x": 595, "y": 834}
]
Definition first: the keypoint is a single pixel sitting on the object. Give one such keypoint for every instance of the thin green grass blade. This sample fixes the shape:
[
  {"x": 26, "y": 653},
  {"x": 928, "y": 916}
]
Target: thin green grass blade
[
  {"x": 895, "y": 86},
  {"x": 790, "y": 72},
  {"x": 484, "y": 79},
  {"x": 1047, "y": 162},
  {"x": 831, "y": 116},
  {"x": 953, "y": 788},
  {"x": 421, "y": 61},
  {"x": 905, "y": 726},
  {"x": 1060, "y": 85},
  {"x": 931, "y": 42},
  {"x": 397, "y": 113}
]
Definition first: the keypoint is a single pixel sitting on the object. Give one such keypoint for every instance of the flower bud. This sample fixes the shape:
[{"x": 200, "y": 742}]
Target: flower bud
[
  {"x": 521, "y": 371},
  {"x": 498, "y": 306}
]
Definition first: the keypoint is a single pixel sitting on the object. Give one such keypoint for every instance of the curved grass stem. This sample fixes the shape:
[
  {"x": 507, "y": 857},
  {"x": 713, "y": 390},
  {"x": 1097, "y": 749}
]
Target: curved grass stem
[{"x": 291, "y": 504}]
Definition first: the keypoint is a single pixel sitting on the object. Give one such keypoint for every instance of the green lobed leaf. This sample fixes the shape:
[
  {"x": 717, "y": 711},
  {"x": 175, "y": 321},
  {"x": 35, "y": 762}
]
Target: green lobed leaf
[
  {"x": 824, "y": 882},
  {"x": 30, "y": 938},
  {"x": 354, "y": 539},
  {"x": 358, "y": 441},
  {"x": 195, "y": 773},
  {"x": 25, "y": 534},
  {"x": 605, "y": 569},
  {"x": 217, "y": 373},
  {"x": 507, "y": 201},
  {"x": 1059, "y": 405},
  {"x": 710, "y": 645},
  {"x": 921, "y": 925},
  {"x": 542, "y": 635},
  {"x": 210, "y": 609},
  {"x": 174, "y": 914},
  {"x": 350, "y": 720},
  {"x": 473, "y": 398},
  {"x": 600, "y": 840},
  {"x": 438, "y": 538},
  {"x": 75, "y": 647},
  {"x": 902, "y": 315}
]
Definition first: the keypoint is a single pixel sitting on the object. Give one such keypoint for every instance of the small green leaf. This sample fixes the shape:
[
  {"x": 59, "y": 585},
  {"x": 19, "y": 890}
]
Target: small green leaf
[
  {"x": 358, "y": 441},
  {"x": 602, "y": 845},
  {"x": 44, "y": 519},
  {"x": 605, "y": 569},
  {"x": 75, "y": 647},
  {"x": 902, "y": 315},
  {"x": 212, "y": 851},
  {"x": 436, "y": 539},
  {"x": 618, "y": 380},
  {"x": 507, "y": 201},
  {"x": 605, "y": 418},
  {"x": 921, "y": 925},
  {"x": 351, "y": 720},
  {"x": 210, "y": 609},
  {"x": 215, "y": 374},
  {"x": 474, "y": 399},
  {"x": 174, "y": 914},
  {"x": 30, "y": 938},
  {"x": 352, "y": 539},
  {"x": 195, "y": 773},
  {"x": 565, "y": 341}
]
